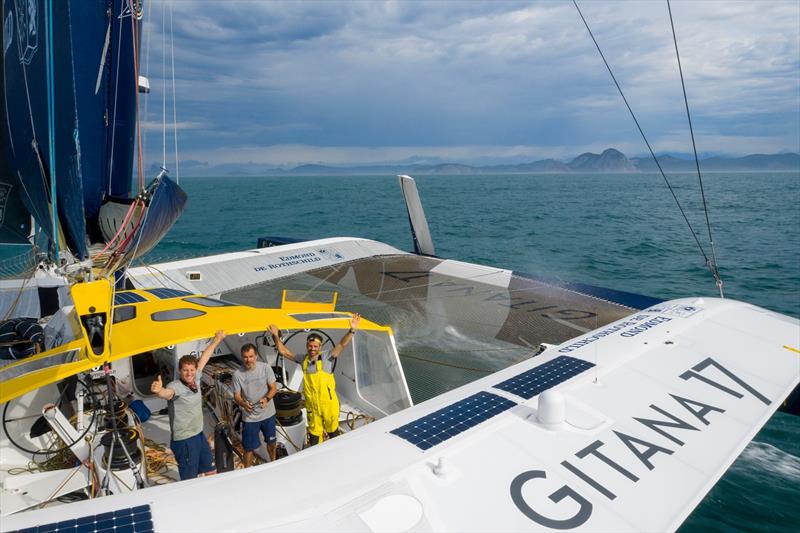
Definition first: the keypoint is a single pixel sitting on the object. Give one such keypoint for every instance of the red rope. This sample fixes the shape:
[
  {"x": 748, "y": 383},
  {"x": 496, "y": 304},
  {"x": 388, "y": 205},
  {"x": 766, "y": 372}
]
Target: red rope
[{"x": 121, "y": 227}]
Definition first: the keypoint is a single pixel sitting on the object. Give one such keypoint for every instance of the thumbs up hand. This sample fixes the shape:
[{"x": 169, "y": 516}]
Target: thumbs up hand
[{"x": 156, "y": 386}]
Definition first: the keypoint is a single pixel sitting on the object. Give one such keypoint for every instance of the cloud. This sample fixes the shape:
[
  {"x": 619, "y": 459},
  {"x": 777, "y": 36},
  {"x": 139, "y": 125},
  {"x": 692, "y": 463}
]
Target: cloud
[
  {"x": 151, "y": 125},
  {"x": 360, "y": 78}
]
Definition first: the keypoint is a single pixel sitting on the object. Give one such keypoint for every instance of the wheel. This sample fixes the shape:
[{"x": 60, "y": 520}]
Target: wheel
[
  {"x": 326, "y": 339},
  {"x": 34, "y": 425}
]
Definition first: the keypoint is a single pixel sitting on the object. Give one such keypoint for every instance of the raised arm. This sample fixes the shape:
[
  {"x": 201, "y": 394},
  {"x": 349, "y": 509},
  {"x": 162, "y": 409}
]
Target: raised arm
[
  {"x": 337, "y": 350},
  {"x": 209, "y": 351},
  {"x": 282, "y": 349}
]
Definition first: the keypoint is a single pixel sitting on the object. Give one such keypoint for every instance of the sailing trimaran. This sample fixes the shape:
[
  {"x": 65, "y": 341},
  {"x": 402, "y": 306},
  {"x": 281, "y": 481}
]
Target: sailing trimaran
[{"x": 628, "y": 398}]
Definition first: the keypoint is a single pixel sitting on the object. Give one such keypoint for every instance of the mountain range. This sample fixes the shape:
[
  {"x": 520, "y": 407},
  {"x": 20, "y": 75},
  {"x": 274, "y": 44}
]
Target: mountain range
[{"x": 610, "y": 161}]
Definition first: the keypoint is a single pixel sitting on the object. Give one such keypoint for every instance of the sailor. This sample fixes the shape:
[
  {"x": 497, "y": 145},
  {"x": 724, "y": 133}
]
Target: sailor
[
  {"x": 319, "y": 385},
  {"x": 188, "y": 442},
  {"x": 254, "y": 387}
]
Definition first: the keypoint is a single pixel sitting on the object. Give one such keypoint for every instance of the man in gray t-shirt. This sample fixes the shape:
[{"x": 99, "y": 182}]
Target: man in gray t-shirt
[
  {"x": 253, "y": 389},
  {"x": 188, "y": 442}
]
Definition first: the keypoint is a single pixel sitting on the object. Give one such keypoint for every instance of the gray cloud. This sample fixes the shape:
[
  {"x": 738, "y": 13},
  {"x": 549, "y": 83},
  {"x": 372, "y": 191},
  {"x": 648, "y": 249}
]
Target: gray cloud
[{"x": 345, "y": 77}]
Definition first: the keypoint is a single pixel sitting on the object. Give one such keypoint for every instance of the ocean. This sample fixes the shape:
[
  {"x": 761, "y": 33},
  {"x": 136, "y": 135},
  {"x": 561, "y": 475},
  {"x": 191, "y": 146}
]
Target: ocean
[{"x": 619, "y": 231}]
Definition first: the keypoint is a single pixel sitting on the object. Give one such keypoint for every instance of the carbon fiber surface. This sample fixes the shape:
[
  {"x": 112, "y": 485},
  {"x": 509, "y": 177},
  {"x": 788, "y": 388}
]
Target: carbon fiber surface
[{"x": 453, "y": 322}]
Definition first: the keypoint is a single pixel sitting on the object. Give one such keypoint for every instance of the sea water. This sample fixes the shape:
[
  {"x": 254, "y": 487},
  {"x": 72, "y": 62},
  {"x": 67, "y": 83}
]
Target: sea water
[{"x": 619, "y": 231}]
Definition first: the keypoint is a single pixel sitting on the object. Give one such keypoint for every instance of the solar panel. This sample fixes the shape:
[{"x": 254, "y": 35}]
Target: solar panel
[
  {"x": 131, "y": 520},
  {"x": 443, "y": 424},
  {"x": 539, "y": 379},
  {"x": 124, "y": 297},
  {"x": 164, "y": 293}
]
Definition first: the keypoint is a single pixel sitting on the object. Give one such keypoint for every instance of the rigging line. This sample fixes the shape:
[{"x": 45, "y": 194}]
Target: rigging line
[
  {"x": 138, "y": 228},
  {"x": 124, "y": 245},
  {"x": 163, "y": 284},
  {"x": 164, "y": 84},
  {"x": 174, "y": 101},
  {"x": 124, "y": 239},
  {"x": 139, "y": 231},
  {"x": 644, "y": 137},
  {"x": 713, "y": 266},
  {"x": 121, "y": 228},
  {"x": 116, "y": 92}
]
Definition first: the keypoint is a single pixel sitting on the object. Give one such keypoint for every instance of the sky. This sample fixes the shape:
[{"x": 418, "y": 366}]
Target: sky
[{"x": 263, "y": 84}]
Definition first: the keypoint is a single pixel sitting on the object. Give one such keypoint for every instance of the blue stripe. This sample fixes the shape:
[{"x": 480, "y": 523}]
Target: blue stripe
[{"x": 628, "y": 299}]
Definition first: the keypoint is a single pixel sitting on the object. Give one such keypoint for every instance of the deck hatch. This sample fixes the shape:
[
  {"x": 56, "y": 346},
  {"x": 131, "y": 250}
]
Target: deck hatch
[
  {"x": 539, "y": 379},
  {"x": 121, "y": 298},
  {"x": 443, "y": 424},
  {"x": 175, "y": 314},
  {"x": 306, "y": 317},
  {"x": 165, "y": 293},
  {"x": 133, "y": 519}
]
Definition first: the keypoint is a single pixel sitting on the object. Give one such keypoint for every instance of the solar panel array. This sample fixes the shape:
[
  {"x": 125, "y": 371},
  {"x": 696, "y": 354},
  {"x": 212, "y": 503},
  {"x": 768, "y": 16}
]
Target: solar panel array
[
  {"x": 437, "y": 427},
  {"x": 164, "y": 293},
  {"x": 131, "y": 520},
  {"x": 125, "y": 297},
  {"x": 539, "y": 379}
]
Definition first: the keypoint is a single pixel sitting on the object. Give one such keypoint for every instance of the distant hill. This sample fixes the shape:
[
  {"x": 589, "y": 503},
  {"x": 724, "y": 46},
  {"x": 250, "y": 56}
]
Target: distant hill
[
  {"x": 752, "y": 163},
  {"x": 550, "y": 166},
  {"x": 609, "y": 161}
]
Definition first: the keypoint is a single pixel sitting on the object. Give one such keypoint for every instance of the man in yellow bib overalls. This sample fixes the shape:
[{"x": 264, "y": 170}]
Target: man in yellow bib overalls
[{"x": 319, "y": 385}]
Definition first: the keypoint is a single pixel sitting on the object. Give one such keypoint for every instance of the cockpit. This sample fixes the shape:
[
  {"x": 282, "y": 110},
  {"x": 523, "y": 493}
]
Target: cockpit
[{"x": 110, "y": 395}]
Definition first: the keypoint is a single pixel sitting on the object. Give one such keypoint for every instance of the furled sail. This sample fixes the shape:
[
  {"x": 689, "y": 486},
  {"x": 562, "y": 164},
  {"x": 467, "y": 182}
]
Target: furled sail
[
  {"x": 25, "y": 120},
  {"x": 73, "y": 99},
  {"x": 42, "y": 143},
  {"x": 106, "y": 86},
  {"x": 92, "y": 78},
  {"x": 123, "y": 85},
  {"x": 69, "y": 186}
]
